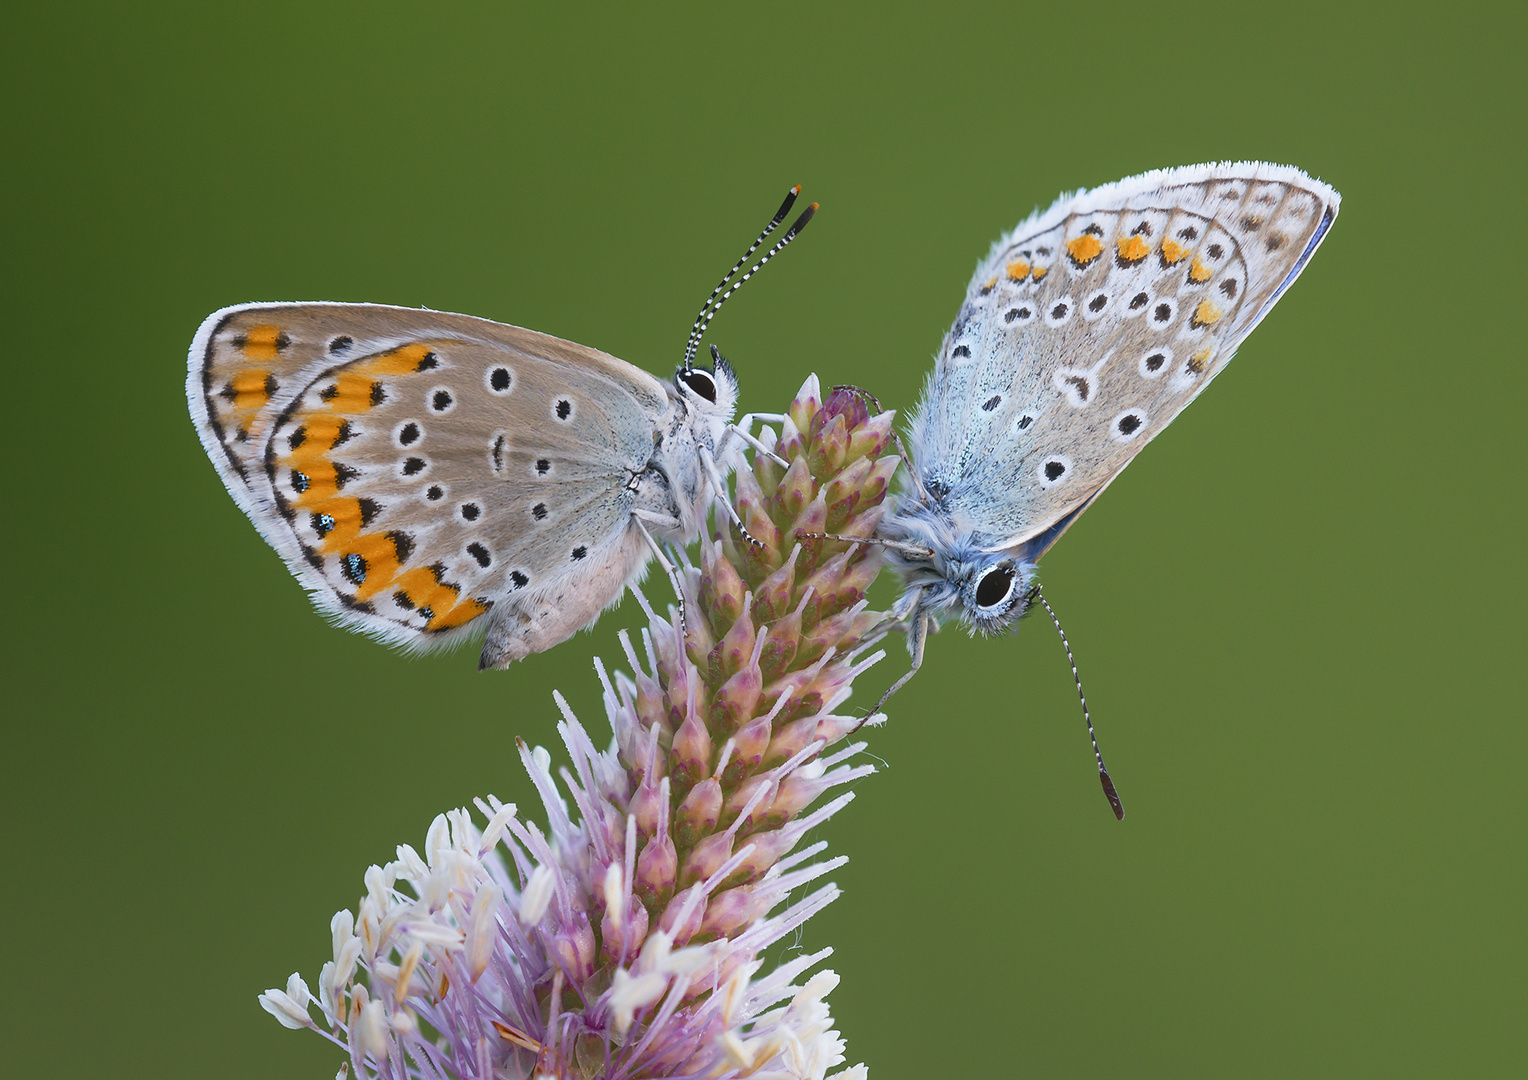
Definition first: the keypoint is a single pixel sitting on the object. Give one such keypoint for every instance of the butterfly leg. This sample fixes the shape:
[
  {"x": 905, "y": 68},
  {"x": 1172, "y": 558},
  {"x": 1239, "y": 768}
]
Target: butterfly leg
[
  {"x": 719, "y": 488},
  {"x": 740, "y": 429},
  {"x": 637, "y": 517},
  {"x": 917, "y": 634}
]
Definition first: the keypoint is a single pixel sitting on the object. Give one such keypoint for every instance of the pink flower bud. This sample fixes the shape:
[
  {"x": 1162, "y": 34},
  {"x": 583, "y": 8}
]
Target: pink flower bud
[
  {"x": 830, "y": 632},
  {"x": 731, "y": 911},
  {"x": 623, "y": 937},
  {"x": 721, "y": 589},
  {"x": 698, "y": 813},
  {"x": 647, "y": 807},
  {"x": 795, "y": 794},
  {"x": 843, "y": 493},
  {"x": 806, "y": 405},
  {"x": 737, "y": 698},
  {"x": 880, "y": 476},
  {"x": 864, "y": 565},
  {"x": 679, "y": 923},
  {"x": 762, "y": 811},
  {"x": 848, "y": 405},
  {"x": 736, "y": 645},
  {"x": 831, "y": 446},
  {"x": 768, "y": 847},
  {"x": 657, "y": 869},
  {"x": 574, "y": 946},
  {"x": 813, "y": 518},
  {"x": 772, "y": 599},
  {"x": 690, "y": 755},
  {"x": 705, "y": 858},
  {"x": 791, "y": 443},
  {"x": 795, "y": 490},
  {"x": 781, "y": 640},
  {"x": 651, "y": 707},
  {"x": 790, "y": 739},
  {"x": 826, "y": 583},
  {"x": 748, "y": 747},
  {"x": 871, "y": 438}
]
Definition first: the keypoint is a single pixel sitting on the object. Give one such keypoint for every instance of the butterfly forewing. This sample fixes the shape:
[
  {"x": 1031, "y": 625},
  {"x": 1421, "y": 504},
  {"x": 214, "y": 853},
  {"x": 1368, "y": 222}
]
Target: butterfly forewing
[
  {"x": 1092, "y": 325},
  {"x": 416, "y": 468}
]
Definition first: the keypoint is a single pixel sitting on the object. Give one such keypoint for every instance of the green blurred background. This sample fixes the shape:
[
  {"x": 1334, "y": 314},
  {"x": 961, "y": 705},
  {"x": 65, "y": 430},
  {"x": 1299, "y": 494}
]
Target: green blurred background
[{"x": 1299, "y": 617}]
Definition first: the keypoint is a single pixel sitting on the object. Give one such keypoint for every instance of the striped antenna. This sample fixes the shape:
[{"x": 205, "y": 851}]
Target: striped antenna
[
  {"x": 1103, "y": 773},
  {"x": 709, "y": 309},
  {"x": 694, "y": 342}
]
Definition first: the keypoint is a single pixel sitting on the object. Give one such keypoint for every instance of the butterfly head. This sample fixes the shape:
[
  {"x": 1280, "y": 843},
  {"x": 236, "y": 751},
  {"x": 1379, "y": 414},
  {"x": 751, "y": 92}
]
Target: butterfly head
[
  {"x": 711, "y": 393},
  {"x": 952, "y": 575}
]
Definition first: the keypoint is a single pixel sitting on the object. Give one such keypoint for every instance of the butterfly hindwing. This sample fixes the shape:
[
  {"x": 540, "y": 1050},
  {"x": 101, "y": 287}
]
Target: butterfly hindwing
[
  {"x": 416, "y": 468},
  {"x": 1092, "y": 325}
]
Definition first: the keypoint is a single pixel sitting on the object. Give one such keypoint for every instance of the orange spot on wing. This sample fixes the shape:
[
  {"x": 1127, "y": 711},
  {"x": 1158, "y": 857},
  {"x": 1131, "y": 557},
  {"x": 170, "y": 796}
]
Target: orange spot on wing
[
  {"x": 347, "y": 523},
  {"x": 1040, "y": 271},
  {"x": 1018, "y": 270},
  {"x": 1173, "y": 252},
  {"x": 1132, "y": 249},
  {"x": 263, "y": 343},
  {"x": 462, "y": 613},
  {"x": 1206, "y": 314},
  {"x": 1084, "y": 249},
  {"x": 424, "y": 590},
  {"x": 1198, "y": 273},
  {"x": 249, "y": 389},
  {"x": 381, "y": 557},
  {"x": 1197, "y": 362},
  {"x": 319, "y": 431},
  {"x": 401, "y": 361},
  {"x": 354, "y": 392},
  {"x": 320, "y": 487}
]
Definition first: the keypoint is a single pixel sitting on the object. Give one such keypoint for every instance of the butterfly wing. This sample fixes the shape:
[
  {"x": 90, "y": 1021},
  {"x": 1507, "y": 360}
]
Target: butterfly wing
[
  {"x": 1091, "y": 326},
  {"x": 416, "y": 469}
]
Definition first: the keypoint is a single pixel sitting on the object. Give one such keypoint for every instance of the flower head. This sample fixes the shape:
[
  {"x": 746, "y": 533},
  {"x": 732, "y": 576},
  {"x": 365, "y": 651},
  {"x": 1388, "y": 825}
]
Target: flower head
[{"x": 624, "y": 939}]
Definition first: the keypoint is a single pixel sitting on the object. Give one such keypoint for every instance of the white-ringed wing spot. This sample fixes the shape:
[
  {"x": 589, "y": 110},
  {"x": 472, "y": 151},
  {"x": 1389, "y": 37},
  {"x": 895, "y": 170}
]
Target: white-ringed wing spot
[
  {"x": 1128, "y": 425},
  {"x": 407, "y": 434},
  {"x": 1020, "y": 314},
  {"x": 499, "y": 379},
  {"x": 1059, "y": 312},
  {"x": 1053, "y": 471},
  {"x": 1155, "y": 362}
]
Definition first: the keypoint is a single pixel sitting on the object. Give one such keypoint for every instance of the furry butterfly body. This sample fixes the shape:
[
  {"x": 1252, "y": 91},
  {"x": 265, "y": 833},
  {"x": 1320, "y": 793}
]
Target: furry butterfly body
[
  {"x": 428, "y": 476},
  {"x": 1083, "y": 334}
]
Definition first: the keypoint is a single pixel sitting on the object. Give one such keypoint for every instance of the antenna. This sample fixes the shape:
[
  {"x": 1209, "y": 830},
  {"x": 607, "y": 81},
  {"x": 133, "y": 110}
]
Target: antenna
[
  {"x": 1103, "y": 773},
  {"x": 709, "y": 309}
]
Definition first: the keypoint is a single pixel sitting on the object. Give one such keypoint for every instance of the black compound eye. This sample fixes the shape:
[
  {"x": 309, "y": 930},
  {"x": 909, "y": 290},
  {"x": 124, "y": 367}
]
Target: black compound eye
[
  {"x": 994, "y": 586},
  {"x": 699, "y": 381}
]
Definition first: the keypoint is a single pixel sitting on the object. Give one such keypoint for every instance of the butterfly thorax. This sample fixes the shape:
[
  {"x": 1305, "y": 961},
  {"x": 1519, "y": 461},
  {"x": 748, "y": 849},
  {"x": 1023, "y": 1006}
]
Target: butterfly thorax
[{"x": 675, "y": 483}]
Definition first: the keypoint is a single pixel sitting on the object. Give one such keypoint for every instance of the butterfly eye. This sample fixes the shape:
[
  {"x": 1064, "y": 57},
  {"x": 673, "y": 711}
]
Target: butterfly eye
[
  {"x": 699, "y": 381},
  {"x": 994, "y": 586}
]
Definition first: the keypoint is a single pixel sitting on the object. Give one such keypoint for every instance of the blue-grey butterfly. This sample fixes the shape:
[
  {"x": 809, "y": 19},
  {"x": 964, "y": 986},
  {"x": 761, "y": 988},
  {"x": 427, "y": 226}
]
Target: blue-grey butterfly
[
  {"x": 1083, "y": 334},
  {"x": 429, "y": 476}
]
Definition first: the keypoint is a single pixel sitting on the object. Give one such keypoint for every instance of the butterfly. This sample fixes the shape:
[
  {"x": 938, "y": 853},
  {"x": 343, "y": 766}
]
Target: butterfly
[
  {"x": 1083, "y": 334},
  {"x": 429, "y": 476}
]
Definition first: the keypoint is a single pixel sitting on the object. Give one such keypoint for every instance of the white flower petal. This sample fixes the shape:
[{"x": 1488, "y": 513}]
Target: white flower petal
[
  {"x": 628, "y": 993},
  {"x": 341, "y": 929},
  {"x": 437, "y": 840},
  {"x": 297, "y": 990},
  {"x": 493, "y": 832},
  {"x": 537, "y": 895},
  {"x": 370, "y": 1033},
  {"x": 286, "y": 1011}
]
